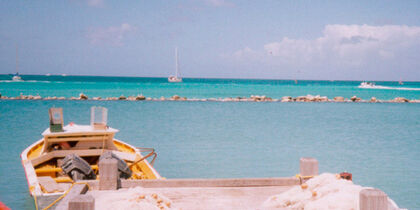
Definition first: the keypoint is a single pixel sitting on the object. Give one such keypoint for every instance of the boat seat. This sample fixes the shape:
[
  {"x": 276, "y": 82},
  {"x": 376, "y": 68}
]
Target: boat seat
[{"x": 49, "y": 185}]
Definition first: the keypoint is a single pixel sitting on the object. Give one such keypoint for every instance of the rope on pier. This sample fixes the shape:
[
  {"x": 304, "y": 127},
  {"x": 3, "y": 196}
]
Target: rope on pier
[
  {"x": 31, "y": 189},
  {"x": 152, "y": 152},
  {"x": 300, "y": 177}
]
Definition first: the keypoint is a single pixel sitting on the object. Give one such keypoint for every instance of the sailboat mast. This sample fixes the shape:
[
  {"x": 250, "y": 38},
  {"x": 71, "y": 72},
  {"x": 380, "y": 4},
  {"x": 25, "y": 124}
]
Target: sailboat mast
[
  {"x": 17, "y": 60},
  {"x": 176, "y": 62}
]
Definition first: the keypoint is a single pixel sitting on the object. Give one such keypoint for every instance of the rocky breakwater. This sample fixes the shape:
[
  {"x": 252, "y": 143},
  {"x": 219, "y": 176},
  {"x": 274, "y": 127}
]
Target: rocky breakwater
[{"x": 252, "y": 98}]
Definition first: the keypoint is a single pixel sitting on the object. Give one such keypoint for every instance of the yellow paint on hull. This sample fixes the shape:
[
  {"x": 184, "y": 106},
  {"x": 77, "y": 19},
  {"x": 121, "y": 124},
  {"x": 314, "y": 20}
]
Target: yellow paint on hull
[{"x": 141, "y": 170}]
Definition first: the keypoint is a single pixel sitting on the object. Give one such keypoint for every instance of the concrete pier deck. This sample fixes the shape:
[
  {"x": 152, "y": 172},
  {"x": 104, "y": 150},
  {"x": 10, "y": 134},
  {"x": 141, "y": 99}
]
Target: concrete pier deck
[
  {"x": 210, "y": 198},
  {"x": 245, "y": 193}
]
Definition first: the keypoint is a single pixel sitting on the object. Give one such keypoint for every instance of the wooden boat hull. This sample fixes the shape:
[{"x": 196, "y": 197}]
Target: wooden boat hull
[{"x": 37, "y": 164}]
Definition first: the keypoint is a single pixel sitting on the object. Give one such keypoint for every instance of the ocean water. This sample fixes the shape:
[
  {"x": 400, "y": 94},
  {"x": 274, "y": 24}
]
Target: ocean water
[{"x": 378, "y": 143}]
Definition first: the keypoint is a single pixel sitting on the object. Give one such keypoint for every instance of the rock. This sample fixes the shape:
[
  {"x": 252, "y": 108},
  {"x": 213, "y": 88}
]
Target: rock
[
  {"x": 414, "y": 101},
  {"x": 183, "y": 99},
  {"x": 286, "y": 99},
  {"x": 37, "y": 97},
  {"x": 96, "y": 98},
  {"x": 323, "y": 99},
  {"x": 140, "y": 98},
  {"x": 122, "y": 97},
  {"x": 175, "y": 97},
  {"x": 400, "y": 100},
  {"x": 355, "y": 99},
  {"x": 83, "y": 96},
  {"x": 339, "y": 99},
  {"x": 163, "y": 98},
  {"x": 373, "y": 100},
  {"x": 300, "y": 99},
  {"x": 310, "y": 98},
  {"x": 227, "y": 99},
  {"x": 148, "y": 99},
  {"x": 131, "y": 98}
]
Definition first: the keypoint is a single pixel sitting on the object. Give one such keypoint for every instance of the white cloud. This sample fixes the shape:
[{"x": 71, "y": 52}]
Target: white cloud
[
  {"x": 113, "y": 35},
  {"x": 246, "y": 52},
  {"x": 220, "y": 3},
  {"x": 343, "y": 46}
]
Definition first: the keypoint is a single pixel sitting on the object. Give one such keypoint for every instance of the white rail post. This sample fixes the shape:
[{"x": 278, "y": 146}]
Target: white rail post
[
  {"x": 308, "y": 166},
  {"x": 373, "y": 199},
  {"x": 108, "y": 174}
]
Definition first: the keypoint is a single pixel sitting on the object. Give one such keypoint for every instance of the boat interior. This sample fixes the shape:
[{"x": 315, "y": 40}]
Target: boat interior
[{"x": 88, "y": 142}]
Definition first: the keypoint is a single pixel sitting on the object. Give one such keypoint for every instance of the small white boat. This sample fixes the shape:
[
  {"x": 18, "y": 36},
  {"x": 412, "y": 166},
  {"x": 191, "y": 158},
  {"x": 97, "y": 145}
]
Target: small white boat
[
  {"x": 367, "y": 85},
  {"x": 175, "y": 78},
  {"x": 17, "y": 78}
]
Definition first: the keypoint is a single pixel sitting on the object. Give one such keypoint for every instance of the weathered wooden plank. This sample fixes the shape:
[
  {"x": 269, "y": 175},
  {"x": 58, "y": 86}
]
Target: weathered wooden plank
[{"x": 242, "y": 182}]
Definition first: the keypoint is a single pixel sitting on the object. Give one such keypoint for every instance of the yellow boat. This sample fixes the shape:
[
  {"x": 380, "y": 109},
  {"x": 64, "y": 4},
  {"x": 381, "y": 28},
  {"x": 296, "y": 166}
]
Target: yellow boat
[{"x": 43, "y": 160}]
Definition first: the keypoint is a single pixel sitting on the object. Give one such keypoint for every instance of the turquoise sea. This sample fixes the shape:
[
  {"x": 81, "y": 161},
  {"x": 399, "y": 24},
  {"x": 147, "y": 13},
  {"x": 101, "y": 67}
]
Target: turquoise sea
[{"x": 379, "y": 143}]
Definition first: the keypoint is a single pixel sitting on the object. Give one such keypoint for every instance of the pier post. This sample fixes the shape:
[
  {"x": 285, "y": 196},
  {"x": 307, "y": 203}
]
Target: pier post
[
  {"x": 308, "y": 166},
  {"x": 82, "y": 202},
  {"x": 108, "y": 174},
  {"x": 373, "y": 199}
]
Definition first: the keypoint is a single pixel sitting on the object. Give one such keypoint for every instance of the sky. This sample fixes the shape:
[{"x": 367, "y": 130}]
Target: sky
[{"x": 278, "y": 39}]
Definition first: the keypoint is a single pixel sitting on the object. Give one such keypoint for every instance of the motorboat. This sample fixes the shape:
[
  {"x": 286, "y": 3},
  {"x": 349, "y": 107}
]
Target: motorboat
[
  {"x": 69, "y": 154},
  {"x": 367, "y": 85}
]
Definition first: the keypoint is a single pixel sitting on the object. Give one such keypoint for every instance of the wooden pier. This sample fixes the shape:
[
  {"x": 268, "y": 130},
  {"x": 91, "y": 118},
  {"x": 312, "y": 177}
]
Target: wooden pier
[{"x": 203, "y": 194}]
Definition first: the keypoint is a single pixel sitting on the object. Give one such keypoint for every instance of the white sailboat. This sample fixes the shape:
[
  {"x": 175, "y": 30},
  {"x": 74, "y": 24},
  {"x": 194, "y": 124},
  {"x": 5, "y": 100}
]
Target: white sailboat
[
  {"x": 175, "y": 78},
  {"x": 16, "y": 77}
]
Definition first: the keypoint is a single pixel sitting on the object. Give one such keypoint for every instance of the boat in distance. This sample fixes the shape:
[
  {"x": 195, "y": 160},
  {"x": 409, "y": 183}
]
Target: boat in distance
[
  {"x": 70, "y": 154},
  {"x": 367, "y": 85},
  {"x": 16, "y": 77},
  {"x": 175, "y": 78}
]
